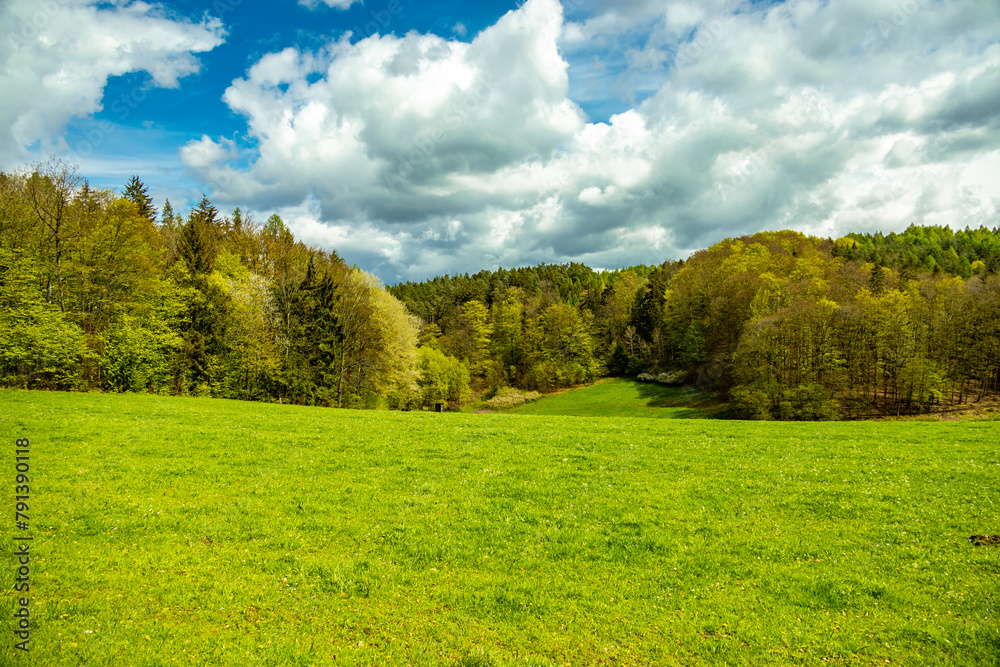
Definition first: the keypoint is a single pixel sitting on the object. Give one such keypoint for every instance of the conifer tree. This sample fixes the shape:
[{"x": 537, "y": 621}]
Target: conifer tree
[
  {"x": 302, "y": 350},
  {"x": 137, "y": 193},
  {"x": 876, "y": 281},
  {"x": 197, "y": 247},
  {"x": 167, "y": 217}
]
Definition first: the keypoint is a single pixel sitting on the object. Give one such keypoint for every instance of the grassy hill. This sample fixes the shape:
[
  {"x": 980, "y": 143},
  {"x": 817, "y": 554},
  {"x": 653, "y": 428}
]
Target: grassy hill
[
  {"x": 198, "y": 531},
  {"x": 619, "y": 397}
]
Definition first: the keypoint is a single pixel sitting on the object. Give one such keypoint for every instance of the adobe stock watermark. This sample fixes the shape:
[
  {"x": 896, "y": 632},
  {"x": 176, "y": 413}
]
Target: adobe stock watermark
[
  {"x": 883, "y": 29},
  {"x": 220, "y": 179},
  {"x": 22, "y": 542},
  {"x": 426, "y": 146},
  {"x": 562, "y": 178},
  {"x": 883, "y": 196},
  {"x": 936, "y": 148},
  {"x": 122, "y": 107},
  {"x": 880, "y": 199},
  {"x": 382, "y": 18},
  {"x": 30, "y": 25},
  {"x": 709, "y": 36},
  {"x": 748, "y": 168},
  {"x": 808, "y": 109}
]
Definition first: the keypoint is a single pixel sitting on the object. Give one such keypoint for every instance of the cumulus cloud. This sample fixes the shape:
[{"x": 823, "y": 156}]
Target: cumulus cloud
[
  {"x": 401, "y": 124},
  {"x": 56, "y": 57},
  {"x": 423, "y": 155}
]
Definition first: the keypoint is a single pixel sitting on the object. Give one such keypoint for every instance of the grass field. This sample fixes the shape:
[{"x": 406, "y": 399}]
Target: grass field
[
  {"x": 619, "y": 397},
  {"x": 195, "y": 531}
]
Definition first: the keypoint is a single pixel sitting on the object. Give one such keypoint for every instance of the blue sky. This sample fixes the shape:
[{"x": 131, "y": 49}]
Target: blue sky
[
  {"x": 423, "y": 137},
  {"x": 258, "y": 27}
]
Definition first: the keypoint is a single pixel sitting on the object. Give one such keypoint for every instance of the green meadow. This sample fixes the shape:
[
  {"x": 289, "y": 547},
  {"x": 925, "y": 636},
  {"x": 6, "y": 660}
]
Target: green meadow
[
  {"x": 619, "y": 397},
  {"x": 172, "y": 531}
]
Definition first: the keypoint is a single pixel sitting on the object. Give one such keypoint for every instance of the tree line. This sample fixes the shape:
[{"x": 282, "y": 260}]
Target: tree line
[
  {"x": 101, "y": 290},
  {"x": 779, "y": 324}
]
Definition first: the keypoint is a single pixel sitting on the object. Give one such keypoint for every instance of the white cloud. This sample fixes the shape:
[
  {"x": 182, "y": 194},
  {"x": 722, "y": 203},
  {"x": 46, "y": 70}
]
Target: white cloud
[
  {"x": 206, "y": 153},
  {"x": 56, "y": 57},
  {"x": 400, "y": 121},
  {"x": 450, "y": 156},
  {"x": 336, "y": 4}
]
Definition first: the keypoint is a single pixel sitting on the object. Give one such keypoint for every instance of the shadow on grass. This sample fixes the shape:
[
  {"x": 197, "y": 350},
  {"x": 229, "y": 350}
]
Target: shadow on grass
[
  {"x": 624, "y": 397},
  {"x": 690, "y": 403}
]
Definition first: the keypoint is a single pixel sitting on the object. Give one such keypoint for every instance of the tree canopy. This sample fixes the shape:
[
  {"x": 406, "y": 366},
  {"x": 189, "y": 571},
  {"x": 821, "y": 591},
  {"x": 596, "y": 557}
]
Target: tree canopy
[{"x": 98, "y": 293}]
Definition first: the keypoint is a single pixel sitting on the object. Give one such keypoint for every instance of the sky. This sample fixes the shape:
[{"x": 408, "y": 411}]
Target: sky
[{"x": 429, "y": 137}]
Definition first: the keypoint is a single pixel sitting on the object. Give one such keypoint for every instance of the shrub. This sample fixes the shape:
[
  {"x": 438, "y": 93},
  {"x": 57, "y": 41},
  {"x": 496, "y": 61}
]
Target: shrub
[
  {"x": 673, "y": 377},
  {"x": 509, "y": 398},
  {"x": 752, "y": 402}
]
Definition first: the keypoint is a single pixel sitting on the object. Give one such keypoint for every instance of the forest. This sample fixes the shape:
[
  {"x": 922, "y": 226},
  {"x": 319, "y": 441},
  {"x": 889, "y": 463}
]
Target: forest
[{"x": 103, "y": 291}]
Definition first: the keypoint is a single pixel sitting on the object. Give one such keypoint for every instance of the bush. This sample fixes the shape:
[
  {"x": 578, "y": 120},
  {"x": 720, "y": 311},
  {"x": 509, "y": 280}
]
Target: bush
[
  {"x": 752, "y": 402},
  {"x": 673, "y": 377},
  {"x": 509, "y": 398},
  {"x": 808, "y": 402}
]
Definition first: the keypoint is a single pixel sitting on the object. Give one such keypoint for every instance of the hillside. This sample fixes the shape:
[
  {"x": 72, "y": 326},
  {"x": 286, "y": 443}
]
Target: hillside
[
  {"x": 100, "y": 291},
  {"x": 620, "y": 397}
]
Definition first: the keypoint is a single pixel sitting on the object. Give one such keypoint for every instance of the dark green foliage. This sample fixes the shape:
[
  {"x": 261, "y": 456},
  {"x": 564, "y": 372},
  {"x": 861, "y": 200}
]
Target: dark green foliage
[
  {"x": 573, "y": 283},
  {"x": 206, "y": 300},
  {"x": 934, "y": 248},
  {"x": 619, "y": 362},
  {"x": 198, "y": 245},
  {"x": 876, "y": 281},
  {"x": 314, "y": 340},
  {"x": 138, "y": 194}
]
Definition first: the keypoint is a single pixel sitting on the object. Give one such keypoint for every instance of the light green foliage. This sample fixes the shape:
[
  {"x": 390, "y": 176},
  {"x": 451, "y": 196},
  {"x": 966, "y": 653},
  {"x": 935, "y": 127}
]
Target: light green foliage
[
  {"x": 275, "y": 226},
  {"x": 38, "y": 347},
  {"x": 378, "y": 344},
  {"x": 792, "y": 327},
  {"x": 199, "y": 305},
  {"x": 390, "y": 348},
  {"x": 508, "y": 327},
  {"x": 251, "y": 356},
  {"x": 228, "y": 533},
  {"x": 566, "y": 347},
  {"x": 616, "y": 311},
  {"x": 397, "y": 372},
  {"x": 137, "y": 354},
  {"x": 481, "y": 329},
  {"x": 442, "y": 378}
]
